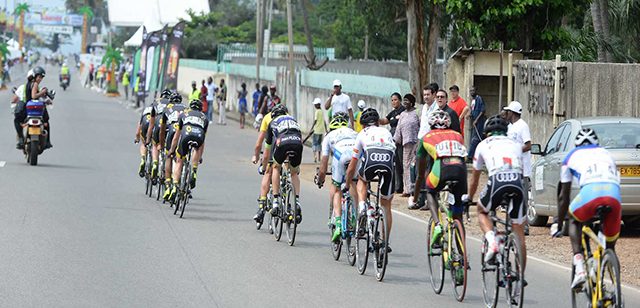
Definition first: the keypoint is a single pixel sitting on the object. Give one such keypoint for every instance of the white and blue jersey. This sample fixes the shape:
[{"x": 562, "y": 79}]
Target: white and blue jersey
[
  {"x": 589, "y": 164},
  {"x": 339, "y": 144}
]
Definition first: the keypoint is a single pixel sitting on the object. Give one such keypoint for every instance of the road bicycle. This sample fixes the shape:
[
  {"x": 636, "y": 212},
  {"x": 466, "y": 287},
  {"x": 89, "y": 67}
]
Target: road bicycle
[
  {"x": 183, "y": 193},
  {"x": 161, "y": 178},
  {"x": 450, "y": 253},
  {"x": 506, "y": 270},
  {"x": 288, "y": 200},
  {"x": 372, "y": 232},
  {"x": 602, "y": 287},
  {"x": 148, "y": 165},
  {"x": 348, "y": 225}
]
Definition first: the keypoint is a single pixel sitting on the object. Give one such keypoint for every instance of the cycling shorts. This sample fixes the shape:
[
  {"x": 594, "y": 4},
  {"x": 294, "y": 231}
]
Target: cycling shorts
[
  {"x": 583, "y": 207},
  {"x": 339, "y": 169},
  {"x": 500, "y": 184},
  {"x": 189, "y": 134},
  {"x": 155, "y": 135},
  {"x": 449, "y": 169},
  {"x": 284, "y": 148},
  {"x": 144, "y": 126},
  {"x": 171, "y": 131},
  {"x": 378, "y": 160}
]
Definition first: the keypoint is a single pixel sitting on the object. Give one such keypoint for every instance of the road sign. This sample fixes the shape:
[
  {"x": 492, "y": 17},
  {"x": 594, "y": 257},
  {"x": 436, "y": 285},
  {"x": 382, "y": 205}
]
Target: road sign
[{"x": 53, "y": 29}]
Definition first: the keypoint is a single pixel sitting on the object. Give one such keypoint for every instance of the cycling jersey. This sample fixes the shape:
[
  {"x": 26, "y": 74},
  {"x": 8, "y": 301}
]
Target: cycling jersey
[
  {"x": 599, "y": 181},
  {"x": 376, "y": 150},
  {"x": 193, "y": 126},
  {"x": 160, "y": 106},
  {"x": 503, "y": 158},
  {"x": 147, "y": 113},
  {"x": 170, "y": 117},
  {"x": 265, "y": 123},
  {"x": 441, "y": 143},
  {"x": 339, "y": 143},
  {"x": 285, "y": 132}
]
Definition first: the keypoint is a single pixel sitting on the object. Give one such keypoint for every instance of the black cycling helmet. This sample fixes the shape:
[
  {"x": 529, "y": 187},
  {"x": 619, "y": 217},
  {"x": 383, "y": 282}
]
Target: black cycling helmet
[
  {"x": 195, "y": 104},
  {"x": 369, "y": 116},
  {"x": 176, "y": 98},
  {"x": 166, "y": 93},
  {"x": 495, "y": 124},
  {"x": 278, "y": 110},
  {"x": 586, "y": 136},
  {"x": 38, "y": 70}
]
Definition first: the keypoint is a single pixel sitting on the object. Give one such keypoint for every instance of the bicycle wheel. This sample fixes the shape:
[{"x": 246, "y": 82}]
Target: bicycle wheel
[
  {"x": 292, "y": 223},
  {"x": 458, "y": 261},
  {"x": 581, "y": 298},
  {"x": 362, "y": 244},
  {"x": 276, "y": 222},
  {"x": 435, "y": 260},
  {"x": 148, "y": 166},
  {"x": 351, "y": 231},
  {"x": 381, "y": 245},
  {"x": 490, "y": 278},
  {"x": 610, "y": 280},
  {"x": 186, "y": 174},
  {"x": 176, "y": 202},
  {"x": 514, "y": 267}
]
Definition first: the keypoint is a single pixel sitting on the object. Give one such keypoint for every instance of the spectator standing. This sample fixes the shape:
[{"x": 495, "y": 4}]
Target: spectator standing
[
  {"x": 222, "y": 101},
  {"x": 519, "y": 132},
  {"x": 339, "y": 102},
  {"x": 264, "y": 101},
  {"x": 441, "y": 98},
  {"x": 195, "y": 93},
  {"x": 212, "y": 89},
  {"x": 478, "y": 118},
  {"x": 459, "y": 105},
  {"x": 430, "y": 105},
  {"x": 203, "y": 97},
  {"x": 256, "y": 99},
  {"x": 242, "y": 103},
  {"x": 361, "y": 106},
  {"x": 125, "y": 84},
  {"x": 392, "y": 119},
  {"x": 406, "y": 135},
  {"x": 319, "y": 129}
]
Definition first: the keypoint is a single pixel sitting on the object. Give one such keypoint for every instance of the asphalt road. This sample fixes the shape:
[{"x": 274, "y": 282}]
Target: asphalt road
[{"x": 77, "y": 231}]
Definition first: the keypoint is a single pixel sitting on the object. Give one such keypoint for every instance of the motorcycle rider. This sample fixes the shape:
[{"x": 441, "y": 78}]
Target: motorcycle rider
[
  {"x": 30, "y": 91},
  {"x": 64, "y": 73}
]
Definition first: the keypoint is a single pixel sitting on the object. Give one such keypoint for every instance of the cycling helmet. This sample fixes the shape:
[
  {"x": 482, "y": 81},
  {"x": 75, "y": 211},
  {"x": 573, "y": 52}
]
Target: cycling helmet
[
  {"x": 586, "y": 136},
  {"x": 166, "y": 93},
  {"x": 176, "y": 98},
  {"x": 38, "y": 70},
  {"x": 340, "y": 119},
  {"x": 278, "y": 110},
  {"x": 369, "y": 116},
  {"x": 439, "y": 120},
  {"x": 495, "y": 124},
  {"x": 195, "y": 104}
]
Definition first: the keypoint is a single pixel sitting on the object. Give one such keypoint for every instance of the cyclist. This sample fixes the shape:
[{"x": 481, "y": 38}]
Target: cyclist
[
  {"x": 192, "y": 127},
  {"x": 595, "y": 170},
  {"x": 144, "y": 131},
  {"x": 446, "y": 149},
  {"x": 264, "y": 171},
  {"x": 285, "y": 136},
  {"x": 168, "y": 128},
  {"x": 339, "y": 143},
  {"x": 503, "y": 159},
  {"x": 375, "y": 149},
  {"x": 160, "y": 105}
]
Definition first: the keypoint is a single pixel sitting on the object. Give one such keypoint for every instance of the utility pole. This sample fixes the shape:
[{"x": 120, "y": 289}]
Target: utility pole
[
  {"x": 292, "y": 70},
  {"x": 259, "y": 34}
]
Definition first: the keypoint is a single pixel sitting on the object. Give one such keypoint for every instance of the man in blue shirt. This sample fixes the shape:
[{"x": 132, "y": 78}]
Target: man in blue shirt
[
  {"x": 478, "y": 117},
  {"x": 256, "y": 97}
]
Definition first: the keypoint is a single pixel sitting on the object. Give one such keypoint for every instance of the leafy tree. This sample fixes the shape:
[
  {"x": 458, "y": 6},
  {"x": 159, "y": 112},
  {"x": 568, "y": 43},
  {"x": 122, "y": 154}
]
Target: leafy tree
[
  {"x": 20, "y": 10},
  {"x": 112, "y": 59}
]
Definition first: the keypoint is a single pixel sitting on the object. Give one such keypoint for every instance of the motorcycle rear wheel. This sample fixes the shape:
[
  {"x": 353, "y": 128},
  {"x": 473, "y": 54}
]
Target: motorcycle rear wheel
[{"x": 34, "y": 147}]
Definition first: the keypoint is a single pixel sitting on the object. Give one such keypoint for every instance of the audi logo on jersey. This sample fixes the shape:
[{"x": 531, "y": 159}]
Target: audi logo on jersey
[
  {"x": 380, "y": 157},
  {"x": 507, "y": 177}
]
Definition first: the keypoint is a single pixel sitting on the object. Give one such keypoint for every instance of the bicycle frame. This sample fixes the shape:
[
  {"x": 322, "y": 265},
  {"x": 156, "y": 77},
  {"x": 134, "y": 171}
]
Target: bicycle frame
[{"x": 597, "y": 254}]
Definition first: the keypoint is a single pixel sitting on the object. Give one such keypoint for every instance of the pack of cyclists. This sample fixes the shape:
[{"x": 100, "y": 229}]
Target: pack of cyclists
[{"x": 358, "y": 157}]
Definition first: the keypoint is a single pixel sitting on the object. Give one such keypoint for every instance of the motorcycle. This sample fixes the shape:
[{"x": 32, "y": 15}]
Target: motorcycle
[
  {"x": 35, "y": 131},
  {"x": 64, "y": 82}
]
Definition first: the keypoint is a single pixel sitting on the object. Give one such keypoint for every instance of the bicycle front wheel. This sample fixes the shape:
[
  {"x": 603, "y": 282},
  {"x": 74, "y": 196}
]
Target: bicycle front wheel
[
  {"x": 186, "y": 176},
  {"x": 435, "y": 260},
  {"x": 292, "y": 223},
  {"x": 362, "y": 244},
  {"x": 458, "y": 261},
  {"x": 490, "y": 278},
  {"x": 610, "y": 280},
  {"x": 276, "y": 223},
  {"x": 381, "y": 245},
  {"x": 514, "y": 268},
  {"x": 351, "y": 231}
]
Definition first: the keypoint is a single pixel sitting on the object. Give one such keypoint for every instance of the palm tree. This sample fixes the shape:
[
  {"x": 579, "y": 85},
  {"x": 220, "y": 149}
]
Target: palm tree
[
  {"x": 87, "y": 13},
  {"x": 4, "y": 51},
  {"x": 112, "y": 59},
  {"x": 20, "y": 10}
]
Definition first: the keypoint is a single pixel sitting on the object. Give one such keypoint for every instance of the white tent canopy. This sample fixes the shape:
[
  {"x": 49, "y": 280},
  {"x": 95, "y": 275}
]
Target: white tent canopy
[
  {"x": 127, "y": 13},
  {"x": 151, "y": 24}
]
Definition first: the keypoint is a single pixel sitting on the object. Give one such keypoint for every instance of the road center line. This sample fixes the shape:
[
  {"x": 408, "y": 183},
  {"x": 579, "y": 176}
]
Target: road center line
[
  {"x": 554, "y": 264},
  {"x": 2, "y": 163}
]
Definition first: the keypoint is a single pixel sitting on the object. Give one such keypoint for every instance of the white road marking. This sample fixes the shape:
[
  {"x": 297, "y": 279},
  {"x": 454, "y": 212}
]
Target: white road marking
[
  {"x": 2, "y": 163},
  {"x": 554, "y": 264}
]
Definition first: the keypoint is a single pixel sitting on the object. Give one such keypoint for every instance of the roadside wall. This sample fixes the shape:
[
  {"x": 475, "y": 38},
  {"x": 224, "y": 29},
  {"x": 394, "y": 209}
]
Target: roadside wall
[{"x": 586, "y": 90}]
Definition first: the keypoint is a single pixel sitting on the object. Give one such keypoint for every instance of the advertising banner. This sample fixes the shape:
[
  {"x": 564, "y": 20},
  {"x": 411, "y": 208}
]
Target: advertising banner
[
  {"x": 162, "y": 59},
  {"x": 140, "y": 78},
  {"x": 152, "y": 59},
  {"x": 173, "y": 56}
]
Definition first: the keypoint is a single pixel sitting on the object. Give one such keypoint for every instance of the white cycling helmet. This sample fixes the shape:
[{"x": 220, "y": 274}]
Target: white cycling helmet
[
  {"x": 439, "y": 120},
  {"x": 586, "y": 136}
]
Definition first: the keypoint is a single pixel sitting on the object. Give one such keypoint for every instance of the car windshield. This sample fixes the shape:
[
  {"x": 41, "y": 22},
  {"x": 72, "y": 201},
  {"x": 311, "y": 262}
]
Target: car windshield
[{"x": 618, "y": 135}]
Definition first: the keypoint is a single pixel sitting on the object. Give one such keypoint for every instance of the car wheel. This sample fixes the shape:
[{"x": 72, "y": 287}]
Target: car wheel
[{"x": 533, "y": 218}]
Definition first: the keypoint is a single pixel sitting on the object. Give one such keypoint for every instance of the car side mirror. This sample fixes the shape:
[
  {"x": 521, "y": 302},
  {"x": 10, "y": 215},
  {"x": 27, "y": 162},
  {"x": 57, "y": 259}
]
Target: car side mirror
[{"x": 536, "y": 149}]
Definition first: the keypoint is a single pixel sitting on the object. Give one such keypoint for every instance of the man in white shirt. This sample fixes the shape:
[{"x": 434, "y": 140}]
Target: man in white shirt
[
  {"x": 212, "y": 90},
  {"x": 339, "y": 102},
  {"x": 519, "y": 132},
  {"x": 429, "y": 100}
]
